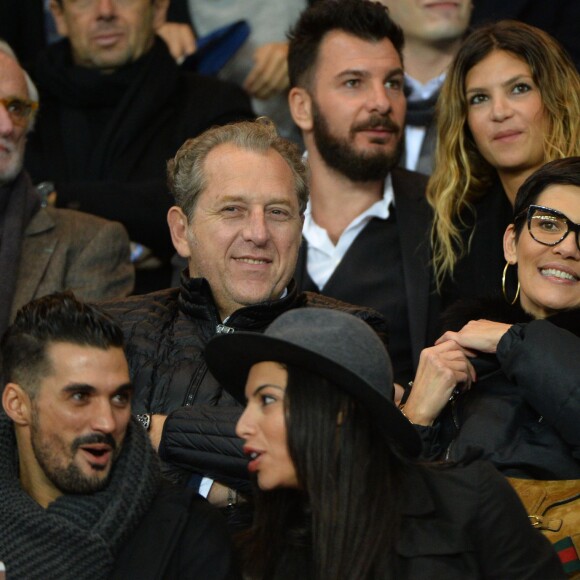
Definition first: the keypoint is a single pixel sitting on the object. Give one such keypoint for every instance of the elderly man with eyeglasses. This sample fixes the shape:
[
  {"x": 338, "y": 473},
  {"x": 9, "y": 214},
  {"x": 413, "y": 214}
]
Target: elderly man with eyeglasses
[{"x": 42, "y": 249}]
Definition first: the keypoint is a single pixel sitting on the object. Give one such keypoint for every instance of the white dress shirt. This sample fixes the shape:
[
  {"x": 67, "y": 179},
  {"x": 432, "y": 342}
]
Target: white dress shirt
[{"x": 323, "y": 255}]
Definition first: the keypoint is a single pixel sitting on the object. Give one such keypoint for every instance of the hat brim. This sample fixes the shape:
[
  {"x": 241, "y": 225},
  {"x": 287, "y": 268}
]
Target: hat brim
[{"x": 231, "y": 356}]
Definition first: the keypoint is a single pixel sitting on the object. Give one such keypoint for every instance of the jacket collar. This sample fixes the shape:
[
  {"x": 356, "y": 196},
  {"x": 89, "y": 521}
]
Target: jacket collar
[{"x": 196, "y": 300}]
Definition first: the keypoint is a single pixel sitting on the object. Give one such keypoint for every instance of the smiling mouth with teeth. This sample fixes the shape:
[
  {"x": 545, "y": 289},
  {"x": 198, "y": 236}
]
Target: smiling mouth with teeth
[
  {"x": 558, "y": 274},
  {"x": 251, "y": 261}
]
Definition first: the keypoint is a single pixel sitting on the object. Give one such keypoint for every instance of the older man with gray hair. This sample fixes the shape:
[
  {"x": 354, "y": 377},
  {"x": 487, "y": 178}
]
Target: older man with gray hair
[
  {"x": 44, "y": 250},
  {"x": 240, "y": 192}
]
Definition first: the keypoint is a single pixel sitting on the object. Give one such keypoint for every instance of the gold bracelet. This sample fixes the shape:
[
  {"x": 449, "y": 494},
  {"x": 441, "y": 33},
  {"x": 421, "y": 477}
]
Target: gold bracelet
[{"x": 402, "y": 409}]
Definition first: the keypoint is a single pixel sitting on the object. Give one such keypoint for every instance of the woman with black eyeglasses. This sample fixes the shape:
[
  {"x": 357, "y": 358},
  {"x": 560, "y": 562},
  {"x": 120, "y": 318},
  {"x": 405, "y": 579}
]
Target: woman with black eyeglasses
[{"x": 511, "y": 366}]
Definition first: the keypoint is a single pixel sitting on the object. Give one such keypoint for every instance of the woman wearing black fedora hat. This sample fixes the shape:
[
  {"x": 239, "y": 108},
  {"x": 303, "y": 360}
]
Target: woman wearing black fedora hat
[{"x": 341, "y": 495}]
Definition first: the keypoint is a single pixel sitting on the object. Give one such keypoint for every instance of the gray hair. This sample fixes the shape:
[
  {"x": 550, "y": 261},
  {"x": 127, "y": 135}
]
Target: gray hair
[{"x": 186, "y": 173}]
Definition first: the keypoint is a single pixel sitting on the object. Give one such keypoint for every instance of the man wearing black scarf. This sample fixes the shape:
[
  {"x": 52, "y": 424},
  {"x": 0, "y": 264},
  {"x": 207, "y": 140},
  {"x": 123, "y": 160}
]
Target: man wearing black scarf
[
  {"x": 115, "y": 108},
  {"x": 44, "y": 250},
  {"x": 82, "y": 495}
]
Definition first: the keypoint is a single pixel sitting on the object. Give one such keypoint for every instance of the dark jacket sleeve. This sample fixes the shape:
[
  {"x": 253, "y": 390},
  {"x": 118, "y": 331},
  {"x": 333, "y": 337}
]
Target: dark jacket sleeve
[
  {"x": 181, "y": 536},
  {"x": 509, "y": 547},
  {"x": 543, "y": 360},
  {"x": 203, "y": 439},
  {"x": 205, "y": 550}
]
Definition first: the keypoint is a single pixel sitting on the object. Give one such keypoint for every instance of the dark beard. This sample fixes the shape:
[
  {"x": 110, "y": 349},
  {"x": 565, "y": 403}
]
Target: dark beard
[
  {"x": 69, "y": 479},
  {"x": 341, "y": 156}
]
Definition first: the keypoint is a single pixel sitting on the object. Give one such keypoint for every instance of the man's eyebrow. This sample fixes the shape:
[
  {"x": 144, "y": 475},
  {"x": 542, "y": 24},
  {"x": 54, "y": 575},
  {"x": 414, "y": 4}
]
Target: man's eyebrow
[
  {"x": 396, "y": 73},
  {"x": 362, "y": 73},
  {"x": 78, "y": 388},
  {"x": 127, "y": 387},
  {"x": 89, "y": 389}
]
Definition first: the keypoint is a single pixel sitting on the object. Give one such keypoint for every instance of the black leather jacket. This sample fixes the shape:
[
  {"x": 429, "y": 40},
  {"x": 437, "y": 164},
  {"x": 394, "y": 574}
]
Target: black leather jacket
[{"x": 166, "y": 333}]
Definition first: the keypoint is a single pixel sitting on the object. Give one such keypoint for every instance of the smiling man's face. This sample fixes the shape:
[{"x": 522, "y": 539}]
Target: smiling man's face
[{"x": 246, "y": 228}]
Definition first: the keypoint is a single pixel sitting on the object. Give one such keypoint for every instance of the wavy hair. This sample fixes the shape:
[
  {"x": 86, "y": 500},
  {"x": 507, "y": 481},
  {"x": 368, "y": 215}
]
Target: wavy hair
[{"x": 461, "y": 173}]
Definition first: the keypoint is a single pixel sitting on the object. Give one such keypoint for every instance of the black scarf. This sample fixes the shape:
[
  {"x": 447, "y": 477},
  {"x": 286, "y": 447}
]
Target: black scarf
[
  {"x": 421, "y": 113},
  {"x": 19, "y": 201},
  {"x": 77, "y": 536},
  {"x": 101, "y": 114}
]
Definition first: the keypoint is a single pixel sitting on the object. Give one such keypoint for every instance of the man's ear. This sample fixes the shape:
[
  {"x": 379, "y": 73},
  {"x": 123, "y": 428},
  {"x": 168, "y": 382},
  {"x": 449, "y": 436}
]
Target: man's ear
[
  {"x": 509, "y": 245},
  {"x": 159, "y": 13},
  {"x": 179, "y": 227},
  {"x": 17, "y": 404},
  {"x": 300, "y": 103},
  {"x": 59, "y": 20}
]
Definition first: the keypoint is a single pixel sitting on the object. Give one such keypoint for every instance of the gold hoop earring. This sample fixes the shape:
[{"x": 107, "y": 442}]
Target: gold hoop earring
[{"x": 503, "y": 277}]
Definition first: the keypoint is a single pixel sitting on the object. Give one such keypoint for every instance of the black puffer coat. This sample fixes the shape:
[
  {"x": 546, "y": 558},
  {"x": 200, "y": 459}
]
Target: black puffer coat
[
  {"x": 165, "y": 335},
  {"x": 523, "y": 412}
]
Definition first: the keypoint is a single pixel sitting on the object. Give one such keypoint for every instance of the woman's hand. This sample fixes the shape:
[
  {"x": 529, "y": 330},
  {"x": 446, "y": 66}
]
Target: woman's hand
[
  {"x": 477, "y": 335},
  {"x": 441, "y": 369}
]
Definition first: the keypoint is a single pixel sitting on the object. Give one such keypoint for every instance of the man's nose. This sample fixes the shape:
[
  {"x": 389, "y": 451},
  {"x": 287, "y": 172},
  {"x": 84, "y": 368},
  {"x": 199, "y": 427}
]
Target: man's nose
[
  {"x": 103, "y": 417},
  {"x": 106, "y": 8},
  {"x": 256, "y": 228},
  {"x": 378, "y": 99},
  {"x": 6, "y": 122}
]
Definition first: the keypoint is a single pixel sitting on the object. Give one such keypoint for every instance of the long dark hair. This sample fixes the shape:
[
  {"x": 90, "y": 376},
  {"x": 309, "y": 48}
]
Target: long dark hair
[{"x": 343, "y": 522}]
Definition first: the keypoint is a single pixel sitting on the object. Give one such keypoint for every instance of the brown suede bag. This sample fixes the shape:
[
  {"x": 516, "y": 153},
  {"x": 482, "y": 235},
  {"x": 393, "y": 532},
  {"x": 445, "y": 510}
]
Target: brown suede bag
[{"x": 554, "y": 508}]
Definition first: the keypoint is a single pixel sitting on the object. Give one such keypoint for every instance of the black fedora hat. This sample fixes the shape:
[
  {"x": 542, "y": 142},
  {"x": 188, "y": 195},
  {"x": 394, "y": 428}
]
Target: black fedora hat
[{"x": 331, "y": 343}]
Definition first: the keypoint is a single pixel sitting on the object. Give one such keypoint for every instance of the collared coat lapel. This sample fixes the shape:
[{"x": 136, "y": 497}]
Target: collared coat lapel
[
  {"x": 414, "y": 223},
  {"x": 39, "y": 243}
]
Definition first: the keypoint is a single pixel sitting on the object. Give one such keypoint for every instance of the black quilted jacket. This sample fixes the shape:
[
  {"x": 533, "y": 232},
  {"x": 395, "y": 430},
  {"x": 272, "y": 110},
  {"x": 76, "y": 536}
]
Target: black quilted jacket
[{"x": 165, "y": 334}]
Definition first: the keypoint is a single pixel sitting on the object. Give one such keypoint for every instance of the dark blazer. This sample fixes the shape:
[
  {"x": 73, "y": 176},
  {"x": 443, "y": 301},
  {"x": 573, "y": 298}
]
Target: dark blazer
[
  {"x": 414, "y": 225},
  {"x": 64, "y": 249}
]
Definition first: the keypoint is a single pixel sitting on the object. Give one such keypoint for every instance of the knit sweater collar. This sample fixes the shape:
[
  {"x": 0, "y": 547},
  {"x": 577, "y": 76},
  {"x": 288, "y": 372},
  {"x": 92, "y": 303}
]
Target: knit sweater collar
[{"x": 76, "y": 536}]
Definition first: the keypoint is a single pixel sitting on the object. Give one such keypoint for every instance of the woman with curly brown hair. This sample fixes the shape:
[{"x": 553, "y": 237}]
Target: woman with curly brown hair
[{"x": 509, "y": 104}]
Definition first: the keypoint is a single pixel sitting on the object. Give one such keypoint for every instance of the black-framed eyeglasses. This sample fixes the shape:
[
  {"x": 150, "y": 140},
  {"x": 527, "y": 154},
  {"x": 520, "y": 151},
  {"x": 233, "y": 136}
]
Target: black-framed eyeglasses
[
  {"x": 549, "y": 226},
  {"x": 19, "y": 110}
]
